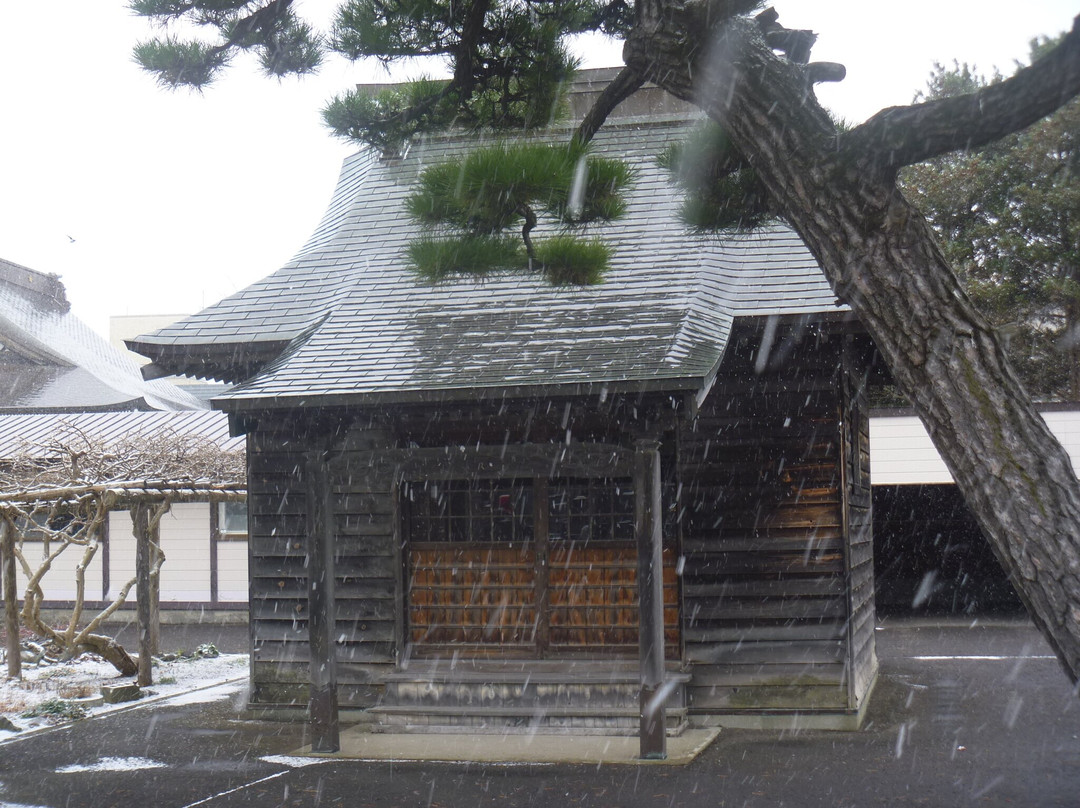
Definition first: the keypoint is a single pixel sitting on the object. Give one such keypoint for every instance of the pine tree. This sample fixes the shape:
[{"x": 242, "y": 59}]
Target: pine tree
[{"x": 836, "y": 188}]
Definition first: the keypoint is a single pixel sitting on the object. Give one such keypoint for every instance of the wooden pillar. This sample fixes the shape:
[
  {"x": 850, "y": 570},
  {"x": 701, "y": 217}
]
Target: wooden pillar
[
  {"x": 153, "y": 539},
  {"x": 11, "y": 602},
  {"x": 215, "y": 539},
  {"x": 140, "y": 517},
  {"x": 650, "y": 581},
  {"x": 541, "y": 528},
  {"x": 322, "y": 704}
]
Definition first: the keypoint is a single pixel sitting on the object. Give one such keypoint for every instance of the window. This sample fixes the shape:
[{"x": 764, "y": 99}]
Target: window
[
  {"x": 48, "y": 525},
  {"x": 232, "y": 520},
  {"x": 579, "y": 510},
  {"x": 469, "y": 511},
  {"x": 585, "y": 510}
]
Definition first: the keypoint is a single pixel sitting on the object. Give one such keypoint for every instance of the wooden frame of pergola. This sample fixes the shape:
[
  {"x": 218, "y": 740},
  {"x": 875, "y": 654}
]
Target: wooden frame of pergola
[{"x": 147, "y": 501}]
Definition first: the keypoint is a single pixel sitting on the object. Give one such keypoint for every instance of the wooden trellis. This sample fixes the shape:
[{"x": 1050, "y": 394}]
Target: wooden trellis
[{"x": 71, "y": 516}]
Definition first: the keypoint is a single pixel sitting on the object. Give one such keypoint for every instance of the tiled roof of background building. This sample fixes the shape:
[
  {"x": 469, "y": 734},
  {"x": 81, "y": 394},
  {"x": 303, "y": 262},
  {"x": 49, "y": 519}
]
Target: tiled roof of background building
[
  {"x": 52, "y": 361},
  {"x": 32, "y": 433}
]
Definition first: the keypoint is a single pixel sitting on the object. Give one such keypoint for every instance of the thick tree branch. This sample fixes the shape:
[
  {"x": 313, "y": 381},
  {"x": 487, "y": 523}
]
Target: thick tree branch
[
  {"x": 621, "y": 87},
  {"x": 467, "y": 52},
  {"x": 901, "y": 136},
  {"x": 261, "y": 20}
]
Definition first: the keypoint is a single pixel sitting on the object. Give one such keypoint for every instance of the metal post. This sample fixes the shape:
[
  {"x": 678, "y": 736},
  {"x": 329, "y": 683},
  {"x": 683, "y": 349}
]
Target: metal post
[
  {"x": 650, "y": 580},
  {"x": 322, "y": 705},
  {"x": 11, "y": 603}
]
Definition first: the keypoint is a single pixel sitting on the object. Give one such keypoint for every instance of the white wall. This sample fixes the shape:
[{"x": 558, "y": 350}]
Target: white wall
[
  {"x": 185, "y": 575},
  {"x": 901, "y": 452},
  {"x": 233, "y": 571},
  {"x": 185, "y": 538},
  {"x": 121, "y": 554},
  {"x": 59, "y": 581}
]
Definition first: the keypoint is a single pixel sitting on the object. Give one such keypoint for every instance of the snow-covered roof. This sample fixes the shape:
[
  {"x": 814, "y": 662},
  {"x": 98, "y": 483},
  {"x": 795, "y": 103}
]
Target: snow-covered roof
[
  {"x": 32, "y": 433},
  {"x": 51, "y": 361},
  {"x": 347, "y": 320}
]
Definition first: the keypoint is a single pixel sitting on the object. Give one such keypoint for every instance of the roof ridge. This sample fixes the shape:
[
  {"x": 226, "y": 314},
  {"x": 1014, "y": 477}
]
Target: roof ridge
[{"x": 46, "y": 289}]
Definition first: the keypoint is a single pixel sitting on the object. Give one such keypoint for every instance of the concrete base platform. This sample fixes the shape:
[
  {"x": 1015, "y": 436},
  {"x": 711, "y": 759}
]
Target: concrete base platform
[{"x": 358, "y": 743}]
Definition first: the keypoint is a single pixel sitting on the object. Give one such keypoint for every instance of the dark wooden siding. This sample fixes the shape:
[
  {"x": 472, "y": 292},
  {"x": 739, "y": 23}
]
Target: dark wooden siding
[
  {"x": 762, "y": 518},
  {"x": 365, "y": 562},
  {"x": 774, "y": 548},
  {"x": 856, "y": 430}
]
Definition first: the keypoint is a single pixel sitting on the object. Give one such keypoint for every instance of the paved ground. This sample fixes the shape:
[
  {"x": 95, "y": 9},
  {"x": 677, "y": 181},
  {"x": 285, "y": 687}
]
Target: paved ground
[{"x": 963, "y": 716}]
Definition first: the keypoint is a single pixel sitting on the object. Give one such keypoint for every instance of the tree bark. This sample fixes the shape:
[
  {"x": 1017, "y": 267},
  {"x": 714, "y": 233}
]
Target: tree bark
[
  {"x": 140, "y": 518},
  {"x": 154, "y": 626},
  {"x": 11, "y": 602},
  {"x": 108, "y": 649},
  {"x": 882, "y": 260}
]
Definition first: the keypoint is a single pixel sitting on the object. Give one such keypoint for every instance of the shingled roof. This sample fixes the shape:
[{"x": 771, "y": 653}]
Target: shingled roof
[
  {"x": 51, "y": 361},
  {"x": 347, "y": 321},
  {"x": 32, "y": 434}
]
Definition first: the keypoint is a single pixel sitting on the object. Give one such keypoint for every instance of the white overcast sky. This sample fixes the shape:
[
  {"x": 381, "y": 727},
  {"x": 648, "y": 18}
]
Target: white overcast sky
[{"x": 154, "y": 202}]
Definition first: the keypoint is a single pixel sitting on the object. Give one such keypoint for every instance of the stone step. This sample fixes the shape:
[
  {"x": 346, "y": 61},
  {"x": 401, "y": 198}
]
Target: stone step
[
  {"x": 525, "y": 671},
  {"x": 522, "y": 695},
  {"x": 517, "y": 720},
  {"x": 527, "y": 694},
  {"x": 615, "y": 670}
]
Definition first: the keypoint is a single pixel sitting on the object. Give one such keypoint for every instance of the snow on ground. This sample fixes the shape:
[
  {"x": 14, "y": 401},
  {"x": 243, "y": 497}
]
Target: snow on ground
[
  {"x": 56, "y": 689},
  {"x": 292, "y": 761},
  {"x": 113, "y": 764}
]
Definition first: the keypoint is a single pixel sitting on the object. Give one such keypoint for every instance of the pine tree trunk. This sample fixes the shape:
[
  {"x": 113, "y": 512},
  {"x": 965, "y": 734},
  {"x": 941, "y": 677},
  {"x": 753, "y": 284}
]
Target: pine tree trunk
[{"x": 882, "y": 260}]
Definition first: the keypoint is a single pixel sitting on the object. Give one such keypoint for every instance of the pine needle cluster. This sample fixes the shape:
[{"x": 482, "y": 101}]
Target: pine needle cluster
[
  {"x": 470, "y": 204},
  {"x": 722, "y": 191}
]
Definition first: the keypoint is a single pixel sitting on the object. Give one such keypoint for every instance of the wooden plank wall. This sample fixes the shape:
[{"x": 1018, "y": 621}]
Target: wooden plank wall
[
  {"x": 856, "y": 424},
  {"x": 366, "y": 566},
  {"x": 763, "y": 531},
  {"x": 753, "y": 497},
  {"x": 371, "y": 609}
]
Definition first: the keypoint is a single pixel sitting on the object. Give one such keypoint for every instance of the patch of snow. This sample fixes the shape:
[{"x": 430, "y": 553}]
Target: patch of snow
[
  {"x": 83, "y": 677},
  {"x": 291, "y": 761},
  {"x": 113, "y": 764},
  {"x": 211, "y": 694}
]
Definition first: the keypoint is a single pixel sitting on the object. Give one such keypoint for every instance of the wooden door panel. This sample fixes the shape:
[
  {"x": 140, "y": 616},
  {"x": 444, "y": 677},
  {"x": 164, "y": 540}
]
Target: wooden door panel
[
  {"x": 472, "y": 595},
  {"x": 484, "y": 598},
  {"x": 592, "y": 593}
]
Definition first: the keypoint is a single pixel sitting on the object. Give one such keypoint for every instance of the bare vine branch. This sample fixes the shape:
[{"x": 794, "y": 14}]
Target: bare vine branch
[{"x": 56, "y": 495}]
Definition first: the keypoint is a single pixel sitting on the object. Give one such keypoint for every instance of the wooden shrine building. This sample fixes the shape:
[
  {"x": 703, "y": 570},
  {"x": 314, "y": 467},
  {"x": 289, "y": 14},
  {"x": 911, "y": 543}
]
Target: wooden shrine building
[{"x": 519, "y": 495}]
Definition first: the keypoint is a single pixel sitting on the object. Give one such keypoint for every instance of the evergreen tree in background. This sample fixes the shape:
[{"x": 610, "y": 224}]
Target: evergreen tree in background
[
  {"x": 837, "y": 189},
  {"x": 1008, "y": 217}
]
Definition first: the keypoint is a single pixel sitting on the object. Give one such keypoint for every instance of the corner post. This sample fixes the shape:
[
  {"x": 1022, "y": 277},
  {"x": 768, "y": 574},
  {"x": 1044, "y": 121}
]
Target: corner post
[
  {"x": 650, "y": 580},
  {"x": 322, "y": 704}
]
